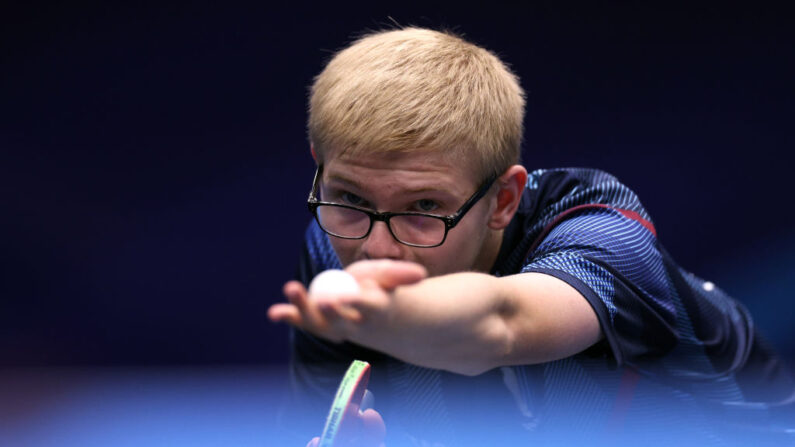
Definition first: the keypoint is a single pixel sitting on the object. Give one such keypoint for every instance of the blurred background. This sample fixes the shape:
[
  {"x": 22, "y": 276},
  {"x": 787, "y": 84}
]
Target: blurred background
[{"x": 154, "y": 170}]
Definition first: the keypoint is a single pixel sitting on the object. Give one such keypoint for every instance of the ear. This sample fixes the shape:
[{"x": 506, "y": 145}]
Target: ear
[
  {"x": 511, "y": 185},
  {"x": 312, "y": 150}
]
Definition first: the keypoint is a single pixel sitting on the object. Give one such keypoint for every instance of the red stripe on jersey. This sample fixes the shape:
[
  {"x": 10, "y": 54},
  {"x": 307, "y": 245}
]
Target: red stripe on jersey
[{"x": 634, "y": 215}]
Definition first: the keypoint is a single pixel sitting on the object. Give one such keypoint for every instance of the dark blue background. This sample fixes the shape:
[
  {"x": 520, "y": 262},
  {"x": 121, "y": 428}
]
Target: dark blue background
[{"x": 154, "y": 163}]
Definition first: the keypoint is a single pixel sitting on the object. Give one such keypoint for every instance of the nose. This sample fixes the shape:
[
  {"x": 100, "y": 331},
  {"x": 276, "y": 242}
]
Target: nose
[{"x": 380, "y": 244}]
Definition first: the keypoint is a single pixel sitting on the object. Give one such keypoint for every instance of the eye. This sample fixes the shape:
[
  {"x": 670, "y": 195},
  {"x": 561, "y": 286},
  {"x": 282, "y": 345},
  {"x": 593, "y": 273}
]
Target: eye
[
  {"x": 426, "y": 205},
  {"x": 352, "y": 199}
]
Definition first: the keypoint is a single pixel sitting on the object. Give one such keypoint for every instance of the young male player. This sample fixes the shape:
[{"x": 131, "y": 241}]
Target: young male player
[{"x": 544, "y": 298}]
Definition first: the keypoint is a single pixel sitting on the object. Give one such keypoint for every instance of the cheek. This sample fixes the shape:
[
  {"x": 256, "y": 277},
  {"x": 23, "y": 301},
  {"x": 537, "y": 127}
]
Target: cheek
[
  {"x": 439, "y": 263},
  {"x": 455, "y": 255},
  {"x": 462, "y": 247}
]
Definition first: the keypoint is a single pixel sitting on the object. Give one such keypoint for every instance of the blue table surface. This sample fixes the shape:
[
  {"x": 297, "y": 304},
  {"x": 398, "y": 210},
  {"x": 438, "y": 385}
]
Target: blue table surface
[{"x": 178, "y": 406}]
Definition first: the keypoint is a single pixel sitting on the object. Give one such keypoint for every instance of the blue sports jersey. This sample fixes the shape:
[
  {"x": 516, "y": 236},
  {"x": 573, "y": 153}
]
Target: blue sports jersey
[{"x": 680, "y": 360}]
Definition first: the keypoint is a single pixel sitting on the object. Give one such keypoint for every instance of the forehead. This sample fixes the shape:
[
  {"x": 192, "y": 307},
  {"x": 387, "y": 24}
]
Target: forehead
[{"x": 404, "y": 170}]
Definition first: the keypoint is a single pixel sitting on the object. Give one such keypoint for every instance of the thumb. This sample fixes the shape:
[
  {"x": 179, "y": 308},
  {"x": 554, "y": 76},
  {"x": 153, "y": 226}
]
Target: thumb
[
  {"x": 373, "y": 427},
  {"x": 388, "y": 274}
]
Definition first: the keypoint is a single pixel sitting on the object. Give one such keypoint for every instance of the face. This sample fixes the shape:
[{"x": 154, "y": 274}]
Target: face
[{"x": 426, "y": 183}]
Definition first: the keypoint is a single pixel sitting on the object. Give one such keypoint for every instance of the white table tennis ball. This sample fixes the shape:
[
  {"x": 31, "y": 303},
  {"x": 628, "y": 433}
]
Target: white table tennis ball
[{"x": 333, "y": 282}]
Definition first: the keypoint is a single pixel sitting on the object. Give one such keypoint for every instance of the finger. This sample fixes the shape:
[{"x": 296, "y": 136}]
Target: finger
[
  {"x": 296, "y": 294},
  {"x": 342, "y": 321},
  {"x": 373, "y": 427},
  {"x": 285, "y": 313},
  {"x": 388, "y": 274},
  {"x": 327, "y": 319},
  {"x": 337, "y": 311},
  {"x": 311, "y": 317}
]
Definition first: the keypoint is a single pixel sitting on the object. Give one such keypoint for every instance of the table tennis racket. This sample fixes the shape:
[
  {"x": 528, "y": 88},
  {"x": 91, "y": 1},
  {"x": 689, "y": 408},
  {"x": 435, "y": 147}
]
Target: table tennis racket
[{"x": 346, "y": 402}]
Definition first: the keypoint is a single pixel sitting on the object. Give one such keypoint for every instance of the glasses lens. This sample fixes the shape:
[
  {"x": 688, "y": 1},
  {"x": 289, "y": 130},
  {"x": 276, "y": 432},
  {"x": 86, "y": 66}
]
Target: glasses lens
[
  {"x": 342, "y": 221},
  {"x": 418, "y": 230}
]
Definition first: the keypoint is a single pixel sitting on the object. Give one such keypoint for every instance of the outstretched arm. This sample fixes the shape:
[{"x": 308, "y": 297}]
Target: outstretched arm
[{"x": 466, "y": 323}]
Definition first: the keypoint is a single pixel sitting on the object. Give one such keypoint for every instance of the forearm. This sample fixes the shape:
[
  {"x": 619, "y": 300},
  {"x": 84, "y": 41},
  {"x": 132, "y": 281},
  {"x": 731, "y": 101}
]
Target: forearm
[
  {"x": 454, "y": 322},
  {"x": 466, "y": 323},
  {"x": 469, "y": 323}
]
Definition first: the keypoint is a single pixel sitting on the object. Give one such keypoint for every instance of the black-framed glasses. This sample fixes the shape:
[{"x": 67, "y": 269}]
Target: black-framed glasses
[{"x": 410, "y": 228}]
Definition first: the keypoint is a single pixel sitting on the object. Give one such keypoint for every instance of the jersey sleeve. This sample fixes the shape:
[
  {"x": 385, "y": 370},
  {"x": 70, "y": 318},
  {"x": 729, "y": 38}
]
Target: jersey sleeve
[{"x": 611, "y": 257}]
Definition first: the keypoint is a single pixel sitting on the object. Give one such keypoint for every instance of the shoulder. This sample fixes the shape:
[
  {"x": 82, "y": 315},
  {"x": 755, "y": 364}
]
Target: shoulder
[
  {"x": 589, "y": 198},
  {"x": 570, "y": 174},
  {"x": 552, "y": 195},
  {"x": 555, "y": 190},
  {"x": 587, "y": 205}
]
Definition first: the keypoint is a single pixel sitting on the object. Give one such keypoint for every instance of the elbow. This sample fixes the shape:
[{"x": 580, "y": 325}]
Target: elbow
[
  {"x": 503, "y": 336},
  {"x": 496, "y": 351},
  {"x": 504, "y": 345}
]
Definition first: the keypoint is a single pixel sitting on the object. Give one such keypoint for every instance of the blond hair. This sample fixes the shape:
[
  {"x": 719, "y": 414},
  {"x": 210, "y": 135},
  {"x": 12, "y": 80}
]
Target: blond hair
[{"x": 416, "y": 89}]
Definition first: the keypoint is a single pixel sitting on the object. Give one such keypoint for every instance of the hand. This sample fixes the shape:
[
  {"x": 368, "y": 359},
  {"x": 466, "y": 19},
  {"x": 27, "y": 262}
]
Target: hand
[
  {"x": 365, "y": 430},
  {"x": 342, "y": 317}
]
